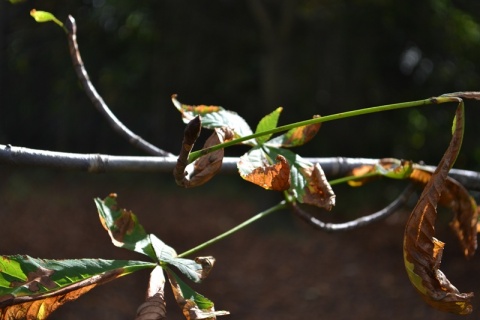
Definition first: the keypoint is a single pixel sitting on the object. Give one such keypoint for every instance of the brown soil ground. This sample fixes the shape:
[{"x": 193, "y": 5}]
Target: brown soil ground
[{"x": 279, "y": 268}]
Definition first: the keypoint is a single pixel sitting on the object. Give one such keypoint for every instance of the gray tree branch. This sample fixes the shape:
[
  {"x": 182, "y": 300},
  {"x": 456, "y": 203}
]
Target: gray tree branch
[{"x": 98, "y": 163}]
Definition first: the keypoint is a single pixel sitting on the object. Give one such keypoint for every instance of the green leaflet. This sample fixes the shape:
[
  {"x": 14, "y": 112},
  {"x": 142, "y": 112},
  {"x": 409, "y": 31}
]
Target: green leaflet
[
  {"x": 123, "y": 227},
  {"x": 267, "y": 123},
  {"x": 22, "y": 275}
]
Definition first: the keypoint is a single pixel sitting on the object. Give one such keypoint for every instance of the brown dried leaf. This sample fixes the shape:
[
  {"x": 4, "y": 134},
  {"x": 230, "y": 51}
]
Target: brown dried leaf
[
  {"x": 318, "y": 191},
  {"x": 41, "y": 308},
  {"x": 206, "y": 167},
  {"x": 154, "y": 307},
  {"x": 422, "y": 251},
  {"x": 464, "y": 207},
  {"x": 272, "y": 177}
]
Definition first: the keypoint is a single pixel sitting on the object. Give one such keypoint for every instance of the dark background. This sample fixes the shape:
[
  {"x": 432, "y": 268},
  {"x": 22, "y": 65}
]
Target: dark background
[{"x": 311, "y": 57}]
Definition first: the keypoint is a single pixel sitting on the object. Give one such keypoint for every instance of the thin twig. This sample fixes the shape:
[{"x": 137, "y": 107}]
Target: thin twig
[
  {"x": 360, "y": 222},
  {"x": 98, "y": 101},
  {"x": 99, "y": 163}
]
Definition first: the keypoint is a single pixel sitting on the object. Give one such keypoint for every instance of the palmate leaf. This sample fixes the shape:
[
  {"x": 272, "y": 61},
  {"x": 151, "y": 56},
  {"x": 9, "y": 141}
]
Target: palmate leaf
[
  {"x": 421, "y": 250},
  {"x": 33, "y": 288},
  {"x": 126, "y": 232}
]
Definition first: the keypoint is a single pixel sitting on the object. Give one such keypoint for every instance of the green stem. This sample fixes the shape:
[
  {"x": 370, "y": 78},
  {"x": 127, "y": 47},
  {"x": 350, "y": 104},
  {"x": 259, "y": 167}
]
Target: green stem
[
  {"x": 342, "y": 115},
  {"x": 279, "y": 206}
]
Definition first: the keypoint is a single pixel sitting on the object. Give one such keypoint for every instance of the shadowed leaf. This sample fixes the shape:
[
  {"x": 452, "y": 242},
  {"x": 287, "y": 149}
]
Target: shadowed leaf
[
  {"x": 254, "y": 167},
  {"x": 123, "y": 227},
  {"x": 422, "y": 251},
  {"x": 206, "y": 167},
  {"x": 33, "y": 288},
  {"x": 295, "y": 137},
  {"x": 192, "y": 304}
]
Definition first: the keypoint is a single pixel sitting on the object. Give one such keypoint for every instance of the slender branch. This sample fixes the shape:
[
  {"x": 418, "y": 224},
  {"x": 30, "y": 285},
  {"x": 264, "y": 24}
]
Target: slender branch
[
  {"x": 98, "y": 101},
  {"x": 360, "y": 222},
  {"x": 263, "y": 214},
  {"x": 99, "y": 163}
]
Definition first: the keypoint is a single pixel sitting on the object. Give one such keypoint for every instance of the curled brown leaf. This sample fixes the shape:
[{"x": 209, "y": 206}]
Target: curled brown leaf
[
  {"x": 421, "y": 250},
  {"x": 318, "y": 191}
]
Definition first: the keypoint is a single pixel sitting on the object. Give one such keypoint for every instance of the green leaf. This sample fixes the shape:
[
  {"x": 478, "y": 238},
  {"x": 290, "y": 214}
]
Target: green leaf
[
  {"x": 215, "y": 117},
  {"x": 33, "y": 288},
  {"x": 44, "y": 16},
  {"x": 267, "y": 123},
  {"x": 166, "y": 254},
  {"x": 123, "y": 227}
]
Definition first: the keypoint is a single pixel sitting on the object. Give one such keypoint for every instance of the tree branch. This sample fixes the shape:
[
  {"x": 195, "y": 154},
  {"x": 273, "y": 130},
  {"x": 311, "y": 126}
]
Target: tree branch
[
  {"x": 99, "y": 163},
  {"x": 357, "y": 223},
  {"x": 98, "y": 101}
]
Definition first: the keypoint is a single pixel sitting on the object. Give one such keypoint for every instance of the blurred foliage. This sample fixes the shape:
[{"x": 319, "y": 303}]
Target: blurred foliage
[{"x": 309, "y": 56}]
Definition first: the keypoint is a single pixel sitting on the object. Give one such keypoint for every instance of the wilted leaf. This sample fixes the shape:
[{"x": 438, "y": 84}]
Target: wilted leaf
[
  {"x": 154, "y": 307},
  {"x": 295, "y": 137},
  {"x": 318, "y": 191},
  {"x": 34, "y": 288},
  {"x": 215, "y": 117},
  {"x": 193, "y": 304},
  {"x": 123, "y": 227},
  {"x": 464, "y": 207},
  {"x": 267, "y": 123},
  {"x": 254, "y": 167},
  {"x": 207, "y": 166},
  {"x": 422, "y": 251}
]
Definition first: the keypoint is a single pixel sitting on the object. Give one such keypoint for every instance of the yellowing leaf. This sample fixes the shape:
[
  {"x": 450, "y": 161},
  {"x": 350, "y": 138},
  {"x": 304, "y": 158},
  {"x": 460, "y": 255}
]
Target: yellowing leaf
[
  {"x": 43, "y": 16},
  {"x": 296, "y": 137}
]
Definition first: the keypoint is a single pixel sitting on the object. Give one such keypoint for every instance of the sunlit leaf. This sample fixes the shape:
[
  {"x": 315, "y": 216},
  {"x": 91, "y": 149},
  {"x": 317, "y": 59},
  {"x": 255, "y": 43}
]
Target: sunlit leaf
[
  {"x": 192, "y": 269},
  {"x": 43, "y": 16},
  {"x": 295, "y": 137},
  {"x": 33, "y": 288},
  {"x": 206, "y": 167},
  {"x": 192, "y": 304},
  {"x": 154, "y": 307},
  {"x": 267, "y": 123},
  {"x": 123, "y": 227},
  {"x": 256, "y": 168},
  {"x": 422, "y": 251},
  {"x": 215, "y": 117},
  {"x": 388, "y": 167}
]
